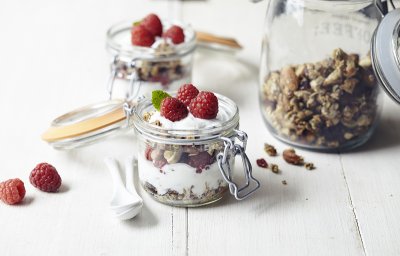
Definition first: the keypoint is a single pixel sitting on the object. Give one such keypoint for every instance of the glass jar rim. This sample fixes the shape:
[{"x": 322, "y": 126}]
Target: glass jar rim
[
  {"x": 131, "y": 51},
  {"x": 334, "y": 5},
  {"x": 187, "y": 136}
]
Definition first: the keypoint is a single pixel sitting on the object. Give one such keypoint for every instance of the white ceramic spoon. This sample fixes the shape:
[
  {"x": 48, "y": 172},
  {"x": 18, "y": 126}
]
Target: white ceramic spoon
[
  {"x": 129, "y": 180},
  {"x": 121, "y": 198}
]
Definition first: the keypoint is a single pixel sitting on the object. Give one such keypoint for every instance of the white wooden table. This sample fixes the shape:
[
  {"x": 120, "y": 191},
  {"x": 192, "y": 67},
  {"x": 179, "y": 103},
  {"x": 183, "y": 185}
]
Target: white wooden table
[{"x": 53, "y": 59}]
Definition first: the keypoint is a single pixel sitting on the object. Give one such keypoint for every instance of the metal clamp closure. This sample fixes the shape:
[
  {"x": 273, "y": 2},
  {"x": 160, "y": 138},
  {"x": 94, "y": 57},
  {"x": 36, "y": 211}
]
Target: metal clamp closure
[
  {"x": 231, "y": 150},
  {"x": 382, "y": 6},
  {"x": 134, "y": 82}
]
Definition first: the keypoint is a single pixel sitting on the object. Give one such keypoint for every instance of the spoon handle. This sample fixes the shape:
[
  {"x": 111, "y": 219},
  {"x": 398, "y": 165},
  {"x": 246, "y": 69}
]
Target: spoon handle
[
  {"x": 130, "y": 179},
  {"x": 112, "y": 165}
]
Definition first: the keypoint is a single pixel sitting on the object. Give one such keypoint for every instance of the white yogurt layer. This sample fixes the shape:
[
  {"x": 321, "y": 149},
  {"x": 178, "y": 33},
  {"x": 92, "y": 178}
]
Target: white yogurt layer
[
  {"x": 190, "y": 122},
  {"x": 180, "y": 177}
]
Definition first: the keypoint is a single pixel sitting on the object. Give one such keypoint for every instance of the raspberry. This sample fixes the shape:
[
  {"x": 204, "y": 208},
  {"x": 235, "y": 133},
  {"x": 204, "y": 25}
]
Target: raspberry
[
  {"x": 141, "y": 36},
  {"x": 12, "y": 191},
  {"x": 262, "y": 163},
  {"x": 147, "y": 153},
  {"x": 173, "y": 109},
  {"x": 45, "y": 177},
  {"x": 186, "y": 93},
  {"x": 204, "y": 106},
  {"x": 153, "y": 24},
  {"x": 175, "y": 33},
  {"x": 200, "y": 161}
]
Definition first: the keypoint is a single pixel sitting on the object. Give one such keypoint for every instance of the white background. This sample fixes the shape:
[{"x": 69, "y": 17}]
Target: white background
[{"x": 53, "y": 59}]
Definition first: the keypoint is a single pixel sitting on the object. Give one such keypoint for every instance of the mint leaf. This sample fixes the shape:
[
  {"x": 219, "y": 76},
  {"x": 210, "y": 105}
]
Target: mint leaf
[
  {"x": 136, "y": 23},
  {"x": 156, "y": 98}
]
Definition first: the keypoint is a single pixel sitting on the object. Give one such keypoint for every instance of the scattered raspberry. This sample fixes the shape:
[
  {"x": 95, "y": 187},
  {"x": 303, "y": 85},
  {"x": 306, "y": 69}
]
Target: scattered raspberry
[
  {"x": 153, "y": 24},
  {"x": 45, "y": 177},
  {"x": 175, "y": 33},
  {"x": 12, "y": 191},
  {"x": 186, "y": 93},
  {"x": 200, "y": 161},
  {"x": 147, "y": 153},
  {"x": 173, "y": 109},
  {"x": 262, "y": 163},
  {"x": 204, "y": 106},
  {"x": 141, "y": 36}
]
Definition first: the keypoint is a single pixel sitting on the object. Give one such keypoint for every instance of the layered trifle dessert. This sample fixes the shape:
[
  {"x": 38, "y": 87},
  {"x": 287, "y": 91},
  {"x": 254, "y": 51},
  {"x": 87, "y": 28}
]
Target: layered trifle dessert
[
  {"x": 179, "y": 141},
  {"x": 158, "y": 52}
]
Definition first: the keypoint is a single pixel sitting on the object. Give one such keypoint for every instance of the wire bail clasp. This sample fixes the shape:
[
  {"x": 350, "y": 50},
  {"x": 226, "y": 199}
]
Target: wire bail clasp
[
  {"x": 134, "y": 81},
  {"x": 231, "y": 150}
]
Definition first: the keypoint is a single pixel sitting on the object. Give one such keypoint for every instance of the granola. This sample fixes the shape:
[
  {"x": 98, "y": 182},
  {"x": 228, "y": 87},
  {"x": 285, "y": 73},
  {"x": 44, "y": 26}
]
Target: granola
[
  {"x": 324, "y": 104},
  {"x": 156, "y": 70},
  {"x": 290, "y": 156},
  {"x": 270, "y": 150}
]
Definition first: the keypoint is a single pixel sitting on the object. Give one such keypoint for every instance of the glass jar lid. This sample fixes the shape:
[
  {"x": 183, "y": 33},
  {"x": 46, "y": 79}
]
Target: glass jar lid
[
  {"x": 385, "y": 51},
  {"x": 86, "y": 125}
]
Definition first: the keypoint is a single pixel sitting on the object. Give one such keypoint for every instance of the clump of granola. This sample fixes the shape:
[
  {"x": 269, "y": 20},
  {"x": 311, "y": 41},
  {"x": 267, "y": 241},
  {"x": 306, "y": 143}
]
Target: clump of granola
[
  {"x": 290, "y": 156},
  {"x": 269, "y": 149},
  {"x": 275, "y": 168},
  {"x": 324, "y": 104},
  {"x": 309, "y": 166}
]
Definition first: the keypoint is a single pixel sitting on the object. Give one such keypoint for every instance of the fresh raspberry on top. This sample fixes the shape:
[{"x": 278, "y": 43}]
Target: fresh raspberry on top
[
  {"x": 45, "y": 177},
  {"x": 175, "y": 33},
  {"x": 141, "y": 36},
  {"x": 186, "y": 93},
  {"x": 204, "y": 106},
  {"x": 12, "y": 191},
  {"x": 173, "y": 109},
  {"x": 200, "y": 161},
  {"x": 153, "y": 24}
]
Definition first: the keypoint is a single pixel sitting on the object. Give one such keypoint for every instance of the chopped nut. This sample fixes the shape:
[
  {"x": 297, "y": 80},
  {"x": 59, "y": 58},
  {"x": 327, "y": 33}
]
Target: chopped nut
[
  {"x": 157, "y": 122},
  {"x": 270, "y": 150},
  {"x": 349, "y": 85},
  {"x": 274, "y": 168},
  {"x": 172, "y": 157},
  {"x": 289, "y": 79},
  {"x": 147, "y": 116},
  {"x": 284, "y": 182},
  {"x": 291, "y": 157},
  {"x": 309, "y": 166}
]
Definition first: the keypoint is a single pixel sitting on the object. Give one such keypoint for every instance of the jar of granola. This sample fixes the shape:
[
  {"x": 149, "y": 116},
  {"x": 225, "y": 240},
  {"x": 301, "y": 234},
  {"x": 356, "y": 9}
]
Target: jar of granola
[
  {"x": 138, "y": 70},
  {"x": 318, "y": 89},
  {"x": 190, "y": 162}
]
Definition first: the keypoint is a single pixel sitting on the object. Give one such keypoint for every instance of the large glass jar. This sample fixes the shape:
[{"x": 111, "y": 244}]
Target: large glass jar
[
  {"x": 191, "y": 167},
  {"x": 318, "y": 90},
  {"x": 139, "y": 70}
]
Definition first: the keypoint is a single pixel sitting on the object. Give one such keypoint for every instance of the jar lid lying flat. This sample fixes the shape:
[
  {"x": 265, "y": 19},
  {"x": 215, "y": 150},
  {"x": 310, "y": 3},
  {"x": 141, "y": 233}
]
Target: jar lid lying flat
[
  {"x": 86, "y": 125},
  {"x": 385, "y": 51}
]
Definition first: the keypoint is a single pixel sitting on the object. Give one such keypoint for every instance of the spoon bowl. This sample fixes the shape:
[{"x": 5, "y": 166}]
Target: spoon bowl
[{"x": 121, "y": 197}]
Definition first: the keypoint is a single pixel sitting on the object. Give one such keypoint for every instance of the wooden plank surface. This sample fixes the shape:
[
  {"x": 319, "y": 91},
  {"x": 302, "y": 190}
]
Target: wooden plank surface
[
  {"x": 373, "y": 177},
  {"x": 52, "y": 59}
]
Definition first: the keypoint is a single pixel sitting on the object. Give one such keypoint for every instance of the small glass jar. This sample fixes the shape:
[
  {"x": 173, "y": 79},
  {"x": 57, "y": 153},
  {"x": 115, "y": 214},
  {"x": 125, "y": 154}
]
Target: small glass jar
[
  {"x": 164, "y": 66},
  {"x": 189, "y": 167},
  {"x": 318, "y": 89}
]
